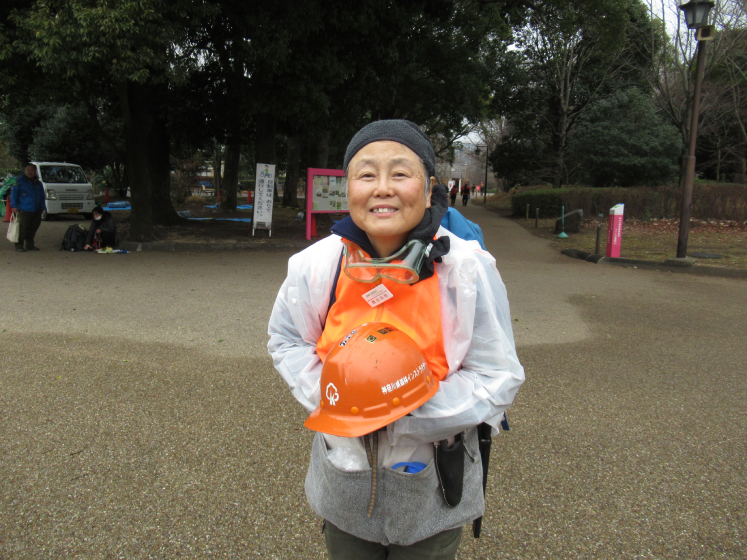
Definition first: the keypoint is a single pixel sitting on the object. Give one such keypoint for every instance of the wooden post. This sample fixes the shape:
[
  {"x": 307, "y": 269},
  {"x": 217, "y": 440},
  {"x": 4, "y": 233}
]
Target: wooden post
[
  {"x": 527, "y": 218},
  {"x": 599, "y": 230},
  {"x": 536, "y": 217}
]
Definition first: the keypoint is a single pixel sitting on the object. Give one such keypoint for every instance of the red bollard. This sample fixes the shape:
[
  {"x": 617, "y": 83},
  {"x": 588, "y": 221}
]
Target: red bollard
[
  {"x": 106, "y": 196},
  {"x": 219, "y": 197},
  {"x": 614, "y": 230},
  {"x": 8, "y": 211},
  {"x": 248, "y": 196}
]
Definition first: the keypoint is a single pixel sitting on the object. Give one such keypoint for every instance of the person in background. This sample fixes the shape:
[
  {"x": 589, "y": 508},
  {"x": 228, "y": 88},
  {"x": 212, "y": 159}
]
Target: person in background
[
  {"x": 28, "y": 199},
  {"x": 453, "y": 194},
  {"x": 465, "y": 194},
  {"x": 102, "y": 226}
]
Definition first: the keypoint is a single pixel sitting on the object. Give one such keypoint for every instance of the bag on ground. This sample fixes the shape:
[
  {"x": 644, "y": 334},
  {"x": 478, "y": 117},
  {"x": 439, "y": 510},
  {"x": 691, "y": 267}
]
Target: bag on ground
[
  {"x": 75, "y": 238},
  {"x": 13, "y": 228}
]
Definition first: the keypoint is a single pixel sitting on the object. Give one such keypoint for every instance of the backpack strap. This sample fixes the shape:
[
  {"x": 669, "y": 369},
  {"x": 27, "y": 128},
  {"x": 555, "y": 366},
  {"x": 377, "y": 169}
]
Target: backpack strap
[{"x": 332, "y": 293}]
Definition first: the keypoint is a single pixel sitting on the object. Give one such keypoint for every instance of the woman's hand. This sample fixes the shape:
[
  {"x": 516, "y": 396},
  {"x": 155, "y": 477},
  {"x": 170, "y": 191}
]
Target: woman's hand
[{"x": 87, "y": 247}]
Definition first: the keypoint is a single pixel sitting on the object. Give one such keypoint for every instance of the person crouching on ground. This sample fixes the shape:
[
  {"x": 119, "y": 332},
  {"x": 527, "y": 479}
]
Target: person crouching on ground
[
  {"x": 455, "y": 308},
  {"x": 28, "y": 199},
  {"x": 102, "y": 226}
]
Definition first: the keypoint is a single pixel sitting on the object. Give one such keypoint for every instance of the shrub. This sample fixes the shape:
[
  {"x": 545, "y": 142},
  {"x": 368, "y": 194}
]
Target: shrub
[
  {"x": 548, "y": 201},
  {"x": 710, "y": 201}
]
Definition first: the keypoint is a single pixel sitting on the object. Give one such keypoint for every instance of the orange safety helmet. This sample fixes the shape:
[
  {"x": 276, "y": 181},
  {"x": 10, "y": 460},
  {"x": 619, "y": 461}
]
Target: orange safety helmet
[{"x": 371, "y": 377}]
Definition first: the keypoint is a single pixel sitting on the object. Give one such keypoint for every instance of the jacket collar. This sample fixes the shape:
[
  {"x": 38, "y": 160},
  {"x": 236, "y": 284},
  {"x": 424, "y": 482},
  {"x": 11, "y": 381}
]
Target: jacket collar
[{"x": 347, "y": 229}]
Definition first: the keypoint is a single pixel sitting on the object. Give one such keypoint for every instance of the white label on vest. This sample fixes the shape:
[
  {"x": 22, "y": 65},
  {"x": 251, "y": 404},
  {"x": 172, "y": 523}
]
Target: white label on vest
[{"x": 378, "y": 295}]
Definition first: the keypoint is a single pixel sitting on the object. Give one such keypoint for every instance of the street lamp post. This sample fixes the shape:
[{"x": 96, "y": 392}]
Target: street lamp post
[
  {"x": 696, "y": 16},
  {"x": 485, "y": 189}
]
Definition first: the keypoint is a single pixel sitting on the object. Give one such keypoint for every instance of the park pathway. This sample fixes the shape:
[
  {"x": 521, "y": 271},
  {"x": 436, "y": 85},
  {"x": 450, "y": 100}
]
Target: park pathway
[{"x": 142, "y": 418}]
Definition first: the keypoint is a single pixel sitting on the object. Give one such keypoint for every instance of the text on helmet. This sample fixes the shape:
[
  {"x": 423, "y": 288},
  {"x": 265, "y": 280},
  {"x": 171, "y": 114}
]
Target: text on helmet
[{"x": 388, "y": 388}]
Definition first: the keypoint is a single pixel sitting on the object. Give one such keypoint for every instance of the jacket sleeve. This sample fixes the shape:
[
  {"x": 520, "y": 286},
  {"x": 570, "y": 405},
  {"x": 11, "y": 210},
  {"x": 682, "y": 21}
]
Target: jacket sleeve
[
  {"x": 40, "y": 195},
  {"x": 297, "y": 320},
  {"x": 108, "y": 226},
  {"x": 489, "y": 375},
  {"x": 15, "y": 193}
]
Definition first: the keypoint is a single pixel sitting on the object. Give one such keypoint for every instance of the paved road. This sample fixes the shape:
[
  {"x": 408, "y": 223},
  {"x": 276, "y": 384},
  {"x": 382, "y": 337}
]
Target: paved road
[{"x": 141, "y": 416}]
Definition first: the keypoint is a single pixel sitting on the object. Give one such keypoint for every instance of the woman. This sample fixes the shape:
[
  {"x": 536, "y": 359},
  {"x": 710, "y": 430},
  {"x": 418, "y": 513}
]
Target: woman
[
  {"x": 103, "y": 227},
  {"x": 455, "y": 309}
]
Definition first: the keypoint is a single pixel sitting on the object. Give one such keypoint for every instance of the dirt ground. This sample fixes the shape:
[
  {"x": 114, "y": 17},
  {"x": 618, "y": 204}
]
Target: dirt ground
[{"x": 651, "y": 240}]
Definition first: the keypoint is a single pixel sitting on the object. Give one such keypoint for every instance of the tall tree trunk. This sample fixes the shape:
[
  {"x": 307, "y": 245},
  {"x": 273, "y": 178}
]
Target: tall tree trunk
[
  {"x": 559, "y": 142},
  {"x": 231, "y": 173},
  {"x": 557, "y": 179},
  {"x": 290, "y": 194},
  {"x": 322, "y": 150},
  {"x": 217, "y": 165},
  {"x": 159, "y": 168},
  {"x": 137, "y": 124}
]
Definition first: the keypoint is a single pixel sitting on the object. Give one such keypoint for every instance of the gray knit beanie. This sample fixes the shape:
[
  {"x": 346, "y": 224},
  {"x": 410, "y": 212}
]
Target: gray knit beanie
[{"x": 396, "y": 130}]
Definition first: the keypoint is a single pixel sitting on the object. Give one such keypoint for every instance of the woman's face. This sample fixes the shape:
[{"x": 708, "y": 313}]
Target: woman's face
[{"x": 386, "y": 193}]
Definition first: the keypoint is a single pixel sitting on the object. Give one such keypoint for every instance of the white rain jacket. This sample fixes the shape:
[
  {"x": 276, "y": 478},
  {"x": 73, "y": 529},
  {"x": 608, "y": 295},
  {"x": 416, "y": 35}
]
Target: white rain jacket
[{"x": 484, "y": 370}]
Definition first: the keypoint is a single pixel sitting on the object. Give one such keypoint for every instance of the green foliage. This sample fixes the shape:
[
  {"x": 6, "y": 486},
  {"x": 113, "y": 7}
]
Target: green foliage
[
  {"x": 623, "y": 141},
  {"x": 17, "y": 130},
  {"x": 68, "y": 136},
  {"x": 516, "y": 159},
  {"x": 119, "y": 40},
  {"x": 568, "y": 56}
]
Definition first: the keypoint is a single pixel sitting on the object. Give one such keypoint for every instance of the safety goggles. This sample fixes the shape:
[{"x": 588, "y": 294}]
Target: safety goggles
[{"x": 402, "y": 267}]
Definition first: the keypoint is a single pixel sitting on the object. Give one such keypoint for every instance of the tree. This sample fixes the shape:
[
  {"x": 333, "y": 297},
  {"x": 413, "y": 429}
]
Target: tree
[
  {"x": 568, "y": 56},
  {"x": 68, "y": 136},
  {"x": 723, "y": 137},
  {"x": 17, "y": 130},
  {"x": 622, "y": 141},
  {"x": 672, "y": 73},
  {"x": 123, "y": 51}
]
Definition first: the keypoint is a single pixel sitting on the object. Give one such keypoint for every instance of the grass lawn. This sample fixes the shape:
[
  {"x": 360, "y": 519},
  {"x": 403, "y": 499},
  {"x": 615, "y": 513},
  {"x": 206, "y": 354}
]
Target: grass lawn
[{"x": 651, "y": 240}]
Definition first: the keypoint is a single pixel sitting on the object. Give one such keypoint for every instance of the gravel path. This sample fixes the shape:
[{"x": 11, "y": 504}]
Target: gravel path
[{"x": 142, "y": 418}]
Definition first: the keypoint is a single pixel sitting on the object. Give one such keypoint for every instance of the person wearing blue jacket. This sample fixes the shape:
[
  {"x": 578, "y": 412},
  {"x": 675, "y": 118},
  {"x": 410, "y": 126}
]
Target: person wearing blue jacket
[{"x": 28, "y": 199}]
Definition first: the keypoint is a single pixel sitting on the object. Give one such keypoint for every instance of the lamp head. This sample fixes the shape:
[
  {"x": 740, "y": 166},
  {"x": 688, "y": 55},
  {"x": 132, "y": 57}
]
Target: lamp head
[{"x": 696, "y": 13}]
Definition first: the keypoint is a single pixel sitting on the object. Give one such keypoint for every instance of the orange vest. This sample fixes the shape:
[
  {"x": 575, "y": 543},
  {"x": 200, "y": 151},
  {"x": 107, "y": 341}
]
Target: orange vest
[{"x": 414, "y": 309}]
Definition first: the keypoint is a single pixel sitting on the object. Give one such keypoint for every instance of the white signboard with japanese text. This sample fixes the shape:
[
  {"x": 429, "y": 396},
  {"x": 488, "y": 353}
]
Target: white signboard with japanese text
[{"x": 264, "y": 185}]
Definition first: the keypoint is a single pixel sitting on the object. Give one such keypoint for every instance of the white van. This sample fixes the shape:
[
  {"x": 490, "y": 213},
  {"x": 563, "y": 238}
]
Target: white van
[{"x": 66, "y": 189}]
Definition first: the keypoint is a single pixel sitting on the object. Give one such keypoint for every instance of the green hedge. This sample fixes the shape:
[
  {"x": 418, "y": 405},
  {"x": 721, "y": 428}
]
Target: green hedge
[
  {"x": 549, "y": 202},
  {"x": 710, "y": 201}
]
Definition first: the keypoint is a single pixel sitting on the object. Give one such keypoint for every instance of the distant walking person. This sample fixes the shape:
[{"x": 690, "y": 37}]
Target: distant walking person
[
  {"x": 465, "y": 194},
  {"x": 453, "y": 194},
  {"x": 27, "y": 199}
]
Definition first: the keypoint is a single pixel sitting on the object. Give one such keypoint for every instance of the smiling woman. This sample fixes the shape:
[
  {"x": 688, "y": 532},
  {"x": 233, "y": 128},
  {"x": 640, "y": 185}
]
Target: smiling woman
[
  {"x": 388, "y": 193},
  {"x": 411, "y": 486}
]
